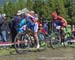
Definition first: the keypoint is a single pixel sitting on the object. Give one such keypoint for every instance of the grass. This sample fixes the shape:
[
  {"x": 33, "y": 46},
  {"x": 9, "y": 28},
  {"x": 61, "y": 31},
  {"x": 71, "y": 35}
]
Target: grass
[
  {"x": 12, "y": 51},
  {"x": 7, "y": 51}
]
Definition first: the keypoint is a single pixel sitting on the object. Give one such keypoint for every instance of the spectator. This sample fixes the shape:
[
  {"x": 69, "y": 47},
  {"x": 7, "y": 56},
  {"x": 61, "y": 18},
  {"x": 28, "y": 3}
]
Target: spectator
[
  {"x": 4, "y": 28},
  {"x": 1, "y": 21},
  {"x": 46, "y": 27},
  {"x": 17, "y": 20}
]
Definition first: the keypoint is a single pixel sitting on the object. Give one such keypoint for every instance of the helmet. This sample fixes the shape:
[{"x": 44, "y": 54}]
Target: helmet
[
  {"x": 25, "y": 10},
  {"x": 32, "y": 12},
  {"x": 19, "y": 12}
]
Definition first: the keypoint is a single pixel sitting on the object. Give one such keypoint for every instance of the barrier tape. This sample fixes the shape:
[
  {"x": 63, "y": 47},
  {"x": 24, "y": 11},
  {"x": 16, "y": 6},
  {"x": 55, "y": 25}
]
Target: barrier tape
[
  {"x": 6, "y": 43},
  {"x": 10, "y": 43}
]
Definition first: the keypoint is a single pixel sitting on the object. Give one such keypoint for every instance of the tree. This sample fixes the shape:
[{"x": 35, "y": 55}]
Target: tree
[
  {"x": 64, "y": 8},
  {"x": 1, "y": 10},
  {"x": 20, "y": 4},
  {"x": 70, "y": 9},
  {"x": 29, "y": 4},
  {"x": 61, "y": 8},
  {"x": 9, "y": 9}
]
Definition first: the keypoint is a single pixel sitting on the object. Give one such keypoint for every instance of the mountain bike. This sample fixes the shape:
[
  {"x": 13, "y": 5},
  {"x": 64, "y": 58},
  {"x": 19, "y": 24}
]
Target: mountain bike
[{"x": 25, "y": 42}]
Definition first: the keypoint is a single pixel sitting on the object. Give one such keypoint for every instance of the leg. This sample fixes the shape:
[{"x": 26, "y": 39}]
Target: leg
[
  {"x": 4, "y": 36},
  {"x": 36, "y": 35}
]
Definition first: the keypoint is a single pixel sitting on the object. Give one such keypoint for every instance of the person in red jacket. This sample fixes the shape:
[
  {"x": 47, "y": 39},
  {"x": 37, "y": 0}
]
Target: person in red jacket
[{"x": 42, "y": 30}]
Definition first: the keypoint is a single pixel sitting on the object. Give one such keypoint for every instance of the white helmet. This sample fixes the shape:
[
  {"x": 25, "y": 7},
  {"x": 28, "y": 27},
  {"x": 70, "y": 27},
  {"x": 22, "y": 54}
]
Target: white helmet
[
  {"x": 32, "y": 12},
  {"x": 19, "y": 12},
  {"x": 25, "y": 10}
]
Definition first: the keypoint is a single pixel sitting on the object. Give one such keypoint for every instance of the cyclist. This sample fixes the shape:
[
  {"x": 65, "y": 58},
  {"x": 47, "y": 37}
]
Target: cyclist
[
  {"x": 46, "y": 27},
  {"x": 33, "y": 24},
  {"x": 22, "y": 25},
  {"x": 59, "y": 23}
]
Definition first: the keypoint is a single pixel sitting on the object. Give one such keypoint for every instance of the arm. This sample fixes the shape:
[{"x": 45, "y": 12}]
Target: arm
[
  {"x": 63, "y": 20},
  {"x": 8, "y": 29}
]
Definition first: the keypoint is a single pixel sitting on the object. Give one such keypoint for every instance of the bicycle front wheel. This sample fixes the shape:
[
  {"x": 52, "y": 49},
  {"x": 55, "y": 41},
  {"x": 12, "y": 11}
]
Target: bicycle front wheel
[{"x": 21, "y": 43}]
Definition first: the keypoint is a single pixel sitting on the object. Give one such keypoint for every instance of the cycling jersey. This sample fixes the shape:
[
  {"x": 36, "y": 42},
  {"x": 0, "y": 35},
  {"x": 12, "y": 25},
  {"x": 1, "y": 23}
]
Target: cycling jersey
[
  {"x": 31, "y": 24},
  {"x": 59, "y": 22},
  {"x": 22, "y": 25},
  {"x": 23, "y": 22},
  {"x": 62, "y": 20}
]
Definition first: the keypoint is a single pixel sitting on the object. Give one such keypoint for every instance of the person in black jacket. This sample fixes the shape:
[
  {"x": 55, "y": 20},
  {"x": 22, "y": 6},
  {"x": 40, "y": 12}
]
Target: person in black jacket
[{"x": 4, "y": 28}]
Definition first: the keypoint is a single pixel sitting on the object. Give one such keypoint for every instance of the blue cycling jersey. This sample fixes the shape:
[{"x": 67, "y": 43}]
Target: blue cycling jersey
[
  {"x": 22, "y": 23},
  {"x": 30, "y": 23}
]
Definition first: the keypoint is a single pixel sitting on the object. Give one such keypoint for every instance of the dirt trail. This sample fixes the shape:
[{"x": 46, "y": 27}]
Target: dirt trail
[{"x": 48, "y": 54}]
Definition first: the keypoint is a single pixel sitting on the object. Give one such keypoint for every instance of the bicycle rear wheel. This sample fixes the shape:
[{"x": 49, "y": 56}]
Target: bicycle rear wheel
[{"x": 55, "y": 40}]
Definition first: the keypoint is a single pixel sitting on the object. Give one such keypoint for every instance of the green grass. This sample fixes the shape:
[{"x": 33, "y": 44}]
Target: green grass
[
  {"x": 7, "y": 51},
  {"x": 12, "y": 51}
]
